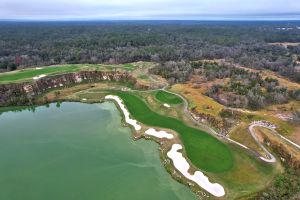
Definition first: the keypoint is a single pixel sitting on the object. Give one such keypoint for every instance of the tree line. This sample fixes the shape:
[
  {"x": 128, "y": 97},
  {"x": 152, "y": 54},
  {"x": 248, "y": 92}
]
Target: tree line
[{"x": 25, "y": 44}]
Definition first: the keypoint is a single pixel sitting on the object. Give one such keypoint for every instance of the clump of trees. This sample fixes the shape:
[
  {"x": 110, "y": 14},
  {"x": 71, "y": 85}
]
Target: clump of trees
[
  {"x": 285, "y": 186},
  {"x": 174, "y": 72},
  {"x": 32, "y": 44},
  {"x": 247, "y": 89}
]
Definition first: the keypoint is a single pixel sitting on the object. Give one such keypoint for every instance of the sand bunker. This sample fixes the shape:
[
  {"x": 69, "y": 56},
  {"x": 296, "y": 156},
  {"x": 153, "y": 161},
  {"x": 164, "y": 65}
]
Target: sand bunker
[
  {"x": 38, "y": 77},
  {"x": 128, "y": 120},
  {"x": 159, "y": 134},
  {"x": 167, "y": 105},
  {"x": 183, "y": 166}
]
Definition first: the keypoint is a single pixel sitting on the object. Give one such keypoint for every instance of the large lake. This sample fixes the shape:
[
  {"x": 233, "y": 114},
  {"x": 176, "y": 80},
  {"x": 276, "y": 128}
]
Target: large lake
[{"x": 79, "y": 152}]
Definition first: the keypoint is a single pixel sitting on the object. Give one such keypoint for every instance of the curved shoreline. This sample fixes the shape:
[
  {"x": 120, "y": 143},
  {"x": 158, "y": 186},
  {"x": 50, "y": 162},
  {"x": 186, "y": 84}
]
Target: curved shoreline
[
  {"x": 128, "y": 120},
  {"x": 179, "y": 162},
  {"x": 176, "y": 176}
]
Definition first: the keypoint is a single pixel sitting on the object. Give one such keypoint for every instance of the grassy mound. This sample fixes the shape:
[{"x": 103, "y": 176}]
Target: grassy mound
[
  {"x": 167, "y": 97},
  {"x": 203, "y": 150}
]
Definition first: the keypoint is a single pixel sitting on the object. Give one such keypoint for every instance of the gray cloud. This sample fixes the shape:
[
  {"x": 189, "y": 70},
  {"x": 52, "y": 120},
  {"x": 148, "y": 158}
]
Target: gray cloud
[{"x": 146, "y": 9}]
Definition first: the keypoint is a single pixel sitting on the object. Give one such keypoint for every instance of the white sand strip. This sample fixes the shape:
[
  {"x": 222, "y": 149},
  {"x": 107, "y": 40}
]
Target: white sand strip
[
  {"x": 38, "y": 77},
  {"x": 38, "y": 68},
  {"x": 167, "y": 105},
  {"x": 125, "y": 112},
  {"x": 159, "y": 134},
  {"x": 183, "y": 166}
]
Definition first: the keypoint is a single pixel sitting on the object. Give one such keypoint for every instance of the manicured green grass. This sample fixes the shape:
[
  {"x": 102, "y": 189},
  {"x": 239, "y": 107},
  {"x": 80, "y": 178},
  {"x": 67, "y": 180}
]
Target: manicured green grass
[
  {"x": 203, "y": 150},
  {"x": 28, "y": 74},
  {"x": 32, "y": 72},
  {"x": 129, "y": 66},
  {"x": 166, "y": 97}
]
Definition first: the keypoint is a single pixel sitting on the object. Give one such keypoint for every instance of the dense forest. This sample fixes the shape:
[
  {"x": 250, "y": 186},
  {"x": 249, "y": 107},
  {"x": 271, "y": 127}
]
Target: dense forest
[{"x": 25, "y": 44}]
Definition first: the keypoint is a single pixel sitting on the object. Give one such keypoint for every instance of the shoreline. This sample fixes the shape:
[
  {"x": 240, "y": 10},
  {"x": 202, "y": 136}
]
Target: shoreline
[
  {"x": 177, "y": 160},
  {"x": 164, "y": 145}
]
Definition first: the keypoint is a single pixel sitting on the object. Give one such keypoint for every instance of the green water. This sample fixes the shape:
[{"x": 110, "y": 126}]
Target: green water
[{"x": 79, "y": 151}]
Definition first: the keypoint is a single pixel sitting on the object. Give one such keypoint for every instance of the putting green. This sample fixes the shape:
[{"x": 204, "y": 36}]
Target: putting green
[
  {"x": 167, "y": 97},
  {"x": 203, "y": 150}
]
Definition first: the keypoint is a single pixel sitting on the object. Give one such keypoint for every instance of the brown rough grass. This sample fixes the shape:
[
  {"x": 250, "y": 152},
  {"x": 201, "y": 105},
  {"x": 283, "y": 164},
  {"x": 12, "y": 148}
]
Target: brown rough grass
[{"x": 197, "y": 99}]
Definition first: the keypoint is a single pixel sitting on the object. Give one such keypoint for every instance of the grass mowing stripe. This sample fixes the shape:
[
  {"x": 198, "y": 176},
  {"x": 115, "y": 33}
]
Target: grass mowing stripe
[
  {"x": 166, "y": 97},
  {"x": 203, "y": 150}
]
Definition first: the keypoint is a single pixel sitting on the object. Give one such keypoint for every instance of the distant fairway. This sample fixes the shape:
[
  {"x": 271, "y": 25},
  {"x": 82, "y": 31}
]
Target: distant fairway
[
  {"x": 28, "y": 74},
  {"x": 204, "y": 151},
  {"x": 167, "y": 97}
]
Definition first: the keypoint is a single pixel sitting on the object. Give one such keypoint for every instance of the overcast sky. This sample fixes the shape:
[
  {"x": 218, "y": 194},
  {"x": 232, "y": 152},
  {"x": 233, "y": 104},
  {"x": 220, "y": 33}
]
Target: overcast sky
[{"x": 149, "y": 9}]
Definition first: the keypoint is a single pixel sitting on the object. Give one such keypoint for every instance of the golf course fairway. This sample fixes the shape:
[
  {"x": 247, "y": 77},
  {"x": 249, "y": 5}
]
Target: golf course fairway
[{"x": 203, "y": 150}]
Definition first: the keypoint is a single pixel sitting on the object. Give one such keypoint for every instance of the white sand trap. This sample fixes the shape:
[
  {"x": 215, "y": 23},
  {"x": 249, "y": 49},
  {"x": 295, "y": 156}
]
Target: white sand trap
[
  {"x": 183, "y": 166},
  {"x": 159, "y": 134},
  {"x": 167, "y": 105},
  {"x": 38, "y": 77},
  {"x": 38, "y": 68},
  {"x": 125, "y": 111}
]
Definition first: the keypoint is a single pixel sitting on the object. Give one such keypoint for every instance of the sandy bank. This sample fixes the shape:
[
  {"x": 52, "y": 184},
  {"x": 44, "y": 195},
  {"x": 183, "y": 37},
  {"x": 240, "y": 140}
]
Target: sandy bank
[
  {"x": 128, "y": 120},
  {"x": 181, "y": 164}
]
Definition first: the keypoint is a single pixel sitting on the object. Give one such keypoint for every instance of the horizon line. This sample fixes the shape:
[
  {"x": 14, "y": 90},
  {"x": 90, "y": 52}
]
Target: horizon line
[{"x": 116, "y": 20}]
